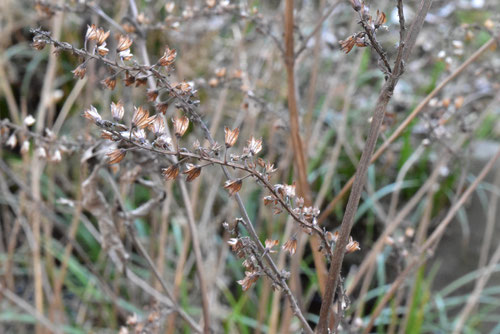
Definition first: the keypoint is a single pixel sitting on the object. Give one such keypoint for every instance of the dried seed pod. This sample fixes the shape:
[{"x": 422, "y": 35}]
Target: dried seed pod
[
  {"x": 171, "y": 172},
  {"x": 116, "y": 155},
  {"x": 233, "y": 186},
  {"x": 180, "y": 125},
  {"x": 231, "y": 136},
  {"x": 192, "y": 172}
]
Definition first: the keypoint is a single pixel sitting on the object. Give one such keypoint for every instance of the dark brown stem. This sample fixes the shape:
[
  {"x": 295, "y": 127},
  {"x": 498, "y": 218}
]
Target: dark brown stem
[{"x": 359, "y": 178}]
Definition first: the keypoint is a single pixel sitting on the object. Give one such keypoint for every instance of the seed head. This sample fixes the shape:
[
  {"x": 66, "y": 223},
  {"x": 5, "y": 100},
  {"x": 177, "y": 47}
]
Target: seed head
[
  {"x": 117, "y": 110},
  {"x": 171, "y": 172},
  {"x": 152, "y": 94},
  {"x": 233, "y": 186},
  {"x": 270, "y": 244},
  {"x": 352, "y": 246},
  {"x": 116, "y": 155},
  {"x": 157, "y": 126},
  {"x": 124, "y": 43},
  {"x": 254, "y": 146},
  {"x": 38, "y": 43},
  {"x": 101, "y": 36},
  {"x": 92, "y": 114},
  {"x": 140, "y": 118},
  {"x": 80, "y": 71},
  {"x": 381, "y": 19},
  {"x": 180, "y": 125},
  {"x": 250, "y": 278},
  {"x": 168, "y": 57},
  {"x": 192, "y": 172},
  {"x": 291, "y": 245},
  {"x": 91, "y": 33},
  {"x": 231, "y": 136},
  {"x": 109, "y": 82}
]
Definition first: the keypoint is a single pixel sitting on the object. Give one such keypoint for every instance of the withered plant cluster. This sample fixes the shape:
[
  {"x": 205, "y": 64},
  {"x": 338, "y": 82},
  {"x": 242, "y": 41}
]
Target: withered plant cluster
[{"x": 174, "y": 169}]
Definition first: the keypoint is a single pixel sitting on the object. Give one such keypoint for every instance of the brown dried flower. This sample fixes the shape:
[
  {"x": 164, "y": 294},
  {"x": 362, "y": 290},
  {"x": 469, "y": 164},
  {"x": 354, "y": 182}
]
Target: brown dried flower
[
  {"x": 91, "y": 33},
  {"x": 141, "y": 81},
  {"x": 38, "y": 43},
  {"x": 80, "y": 71},
  {"x": 92, "y": 114},
  {"x": 220, "y": 72},
  {"x": 116, "y": 155},
  {"x": 332, "y": 237},
  {"x": 233, "y": 186},
  {"x": 164, "y": 142},
  {"x": 184, "y": 87},
  {"x": 352, "y": 246},
  {"x": 291, "y": 245},
  {"x": 381, "y": 19},
  {"x": 168, "y": 57},
  {"x": 101, "y": 36},
  {"x": 117, "y": 110},
  {"x": 157, "y": 126},
  {"x": 270, "y": 200},
  {"x": 270, "y": 244},
  {"x": 152, "y": 94},
  {"x": 192, "y": 172},
  {"x": 162, "y": 107},
  {"x": 254, "y": 146},
  {"x": 236, "y": 244},
  {"x": 250, "y": 278},
  {"x": 231, "y": 136},
  {"x": 124, "y": 43},
  {"x": 180, "y": 125},
  {"x": 171, "y": 172},
  {"x": 140, "y": 118},
  {"x": 109, "y": 82},
  {"x": 347, "y": 44},
  {"x": 107, "y": 135},
  {"x": 129, "y": 79}
]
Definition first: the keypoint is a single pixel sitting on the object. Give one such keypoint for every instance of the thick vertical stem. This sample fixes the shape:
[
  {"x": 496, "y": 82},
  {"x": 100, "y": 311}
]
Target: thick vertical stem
[{"x": 299, "y": 154}]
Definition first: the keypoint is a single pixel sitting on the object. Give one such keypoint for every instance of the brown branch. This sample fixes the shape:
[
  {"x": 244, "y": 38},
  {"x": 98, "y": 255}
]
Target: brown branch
[
  {"x": 359, "y": 178},
  {"x": 299, "y": 153}
]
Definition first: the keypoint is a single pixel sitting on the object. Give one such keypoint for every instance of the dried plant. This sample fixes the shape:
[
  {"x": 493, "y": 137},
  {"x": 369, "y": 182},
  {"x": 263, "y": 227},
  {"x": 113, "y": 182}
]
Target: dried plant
[{"x": 159, "y": 186}]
